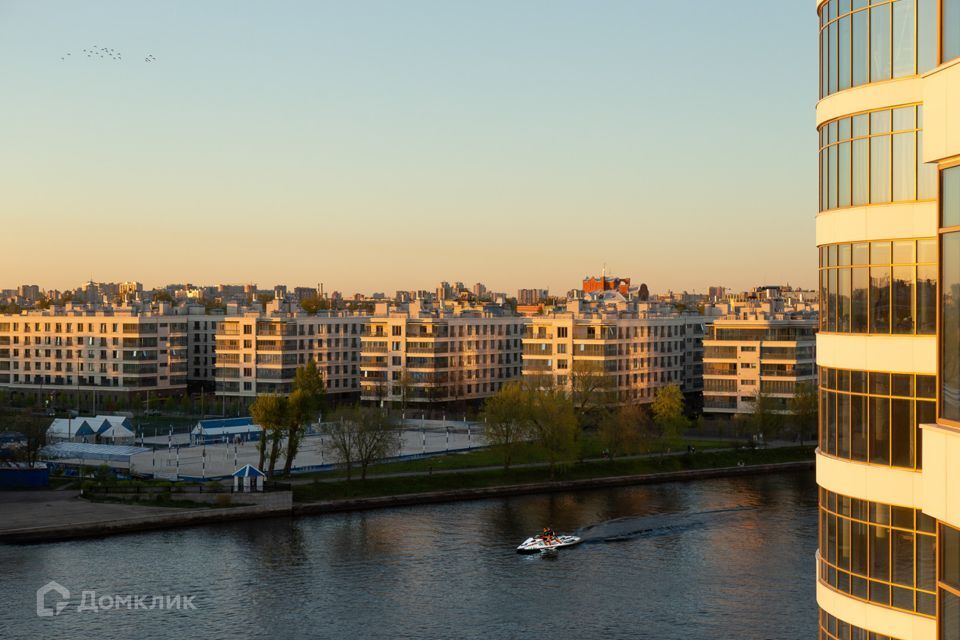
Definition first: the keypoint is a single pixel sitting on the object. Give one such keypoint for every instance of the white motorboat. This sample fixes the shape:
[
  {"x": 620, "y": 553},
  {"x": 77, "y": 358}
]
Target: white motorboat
[{"x": 547, "y": 542}]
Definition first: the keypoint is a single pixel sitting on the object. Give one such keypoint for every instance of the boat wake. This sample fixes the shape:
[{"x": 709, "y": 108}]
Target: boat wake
[{"x": 630, "y": 527}]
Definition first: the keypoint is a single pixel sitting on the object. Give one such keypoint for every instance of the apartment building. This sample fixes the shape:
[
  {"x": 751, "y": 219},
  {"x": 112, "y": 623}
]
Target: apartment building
[
  {"x": 888, "y": 350},
  {"x": 260, "y": 352},
  {"x": 636, "y": 347},
  {"x": 112, "y": 351},
  {"x": 419, "y": 354},
  {"x": 758, "y": 349}
]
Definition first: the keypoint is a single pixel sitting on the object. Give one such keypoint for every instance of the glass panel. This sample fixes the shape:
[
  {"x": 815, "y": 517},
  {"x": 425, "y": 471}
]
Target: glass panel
[
  {"x": 861, "y": 253},
  {"x": 904, "y": 38},
  {"x": 927, "y": 250},
  {"x": 880, "y": 253},
  {"x": 861, "y": 125},
  {"x": 832, "y": 31},
  {"x": 927, "y": 50},
  {"x": 904, "y": 118},
  {"x": 927, "y": 299},
  {"x": 824, "y": 63},
  {"x": 858, "y": 427},
  {"x": 844, "y": 130},
  {"x": 824, "y": 169},
  {"x": 861, "y": 48},
  {"x": 880, "y": 299},
  {"x": 904, "y": 252},
  {"x": 843, "y": 174},
  {"x": 843, "y": 42},
  {"x": 880, "y": 169},
  {"x": 860, "y": 282},
  {"x": 903, "y": 285},
  {"x": 860, "y": 170},
  {"x": 843, "y": 295},
  {"x": 832, "y": 300},
  {"x": 950, "y": 204},
  {"x": 950, "y": 556},
  {"x": 832, "y": 177},
  {"x": 879, "y": 43},
  {"x": 843, "y": 255},
  {"x": 926, "y": 562},
  {"x": 879, "y": 553},
  {"x": 901, "y": 433},
  {"x": 843, "y": 425},
  {"x": 950, "y": 334},
  {"x": 926, "y": 174},
  {"x": 904, "y": 165},
  {"x": 880, "y": 121},
  {"x": 949, "y": 616},
  {"x": 879, "y": 430},
  {"x": 951, "y": 30}
]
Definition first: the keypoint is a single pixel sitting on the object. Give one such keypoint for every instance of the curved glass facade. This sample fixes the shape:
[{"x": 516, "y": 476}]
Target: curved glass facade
[
  {"x": 833, "y": 628},
  {"x": 863, "y": 42},
  {"x": 874, "y": 417},
  {"x": 884, "y": 287},
  {"x": 878, "y": 552},
  {"x": 874, "y": 158}
]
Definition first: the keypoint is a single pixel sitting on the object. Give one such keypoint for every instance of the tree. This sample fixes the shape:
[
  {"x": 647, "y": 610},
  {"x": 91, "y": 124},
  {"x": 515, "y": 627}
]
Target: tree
[
  {"x": 34, "y": 430},
  {"x": 764, "y": 420},
  {"x": 592, "y": 386},
  {"x": 805, "y": 407},
  {"x": 626, "y": 430},
  {"x": 668, "y": 413},
  {"x": 271, "y": 413},
  {"x": 314, "y": 304},
  {"x": 340, "y": 437},
  {"x": 505, "y": 420},
  {"x": 377, "y": 437},
  {"x": 361, "y": 435},
  {"x": 303, "y": 404},
  {"x": 552, "y": 421}
]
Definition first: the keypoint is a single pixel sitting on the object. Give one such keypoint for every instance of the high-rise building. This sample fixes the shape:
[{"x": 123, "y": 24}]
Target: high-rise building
[{"x": 888, "y": 229}]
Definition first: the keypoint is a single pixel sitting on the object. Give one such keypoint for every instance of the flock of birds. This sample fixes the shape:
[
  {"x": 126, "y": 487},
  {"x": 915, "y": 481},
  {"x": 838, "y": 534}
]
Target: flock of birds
[{"x": 104, "y": 53}]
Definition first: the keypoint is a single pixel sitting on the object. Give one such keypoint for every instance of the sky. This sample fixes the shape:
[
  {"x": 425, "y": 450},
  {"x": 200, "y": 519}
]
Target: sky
[{"x": 381, "y": 145}]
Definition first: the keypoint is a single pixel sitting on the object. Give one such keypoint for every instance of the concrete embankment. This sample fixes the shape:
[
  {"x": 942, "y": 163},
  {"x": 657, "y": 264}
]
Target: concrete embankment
[
  {"x": 455, "y": 495},
  {"x": 33, "y": 521}
]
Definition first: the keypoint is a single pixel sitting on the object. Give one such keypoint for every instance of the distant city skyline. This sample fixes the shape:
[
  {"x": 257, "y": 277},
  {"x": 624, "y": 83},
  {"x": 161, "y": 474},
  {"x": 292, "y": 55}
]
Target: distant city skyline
[{"x": 373, "y": 146}]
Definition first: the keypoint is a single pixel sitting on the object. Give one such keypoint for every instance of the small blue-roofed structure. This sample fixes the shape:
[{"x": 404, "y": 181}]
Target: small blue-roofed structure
[
  {"x": 225, "y": 430},
  {"x": 248, "y": 478}
]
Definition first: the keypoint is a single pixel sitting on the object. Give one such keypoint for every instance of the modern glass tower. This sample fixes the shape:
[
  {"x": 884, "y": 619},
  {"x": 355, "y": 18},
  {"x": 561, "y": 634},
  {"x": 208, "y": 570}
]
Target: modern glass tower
[{"x": 888, "y": 233}]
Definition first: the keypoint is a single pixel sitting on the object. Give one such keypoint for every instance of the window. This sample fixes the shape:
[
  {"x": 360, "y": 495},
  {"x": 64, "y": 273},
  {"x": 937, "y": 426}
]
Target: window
[
  {"x": 878, "y": 552},
  {"x": 879, "y": 287},
  {"x": 874, "y": 417},
  {"x": 950, "y": 295},
  {"x": 951, "y": 29}
]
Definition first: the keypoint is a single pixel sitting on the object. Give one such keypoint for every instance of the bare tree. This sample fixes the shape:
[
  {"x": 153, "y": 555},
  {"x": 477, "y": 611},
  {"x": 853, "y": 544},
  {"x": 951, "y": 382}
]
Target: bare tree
[
  {"x": 592, "y": 386},
  {"x": 805, "y": 407},
  {"x": 361, "y": 435}
]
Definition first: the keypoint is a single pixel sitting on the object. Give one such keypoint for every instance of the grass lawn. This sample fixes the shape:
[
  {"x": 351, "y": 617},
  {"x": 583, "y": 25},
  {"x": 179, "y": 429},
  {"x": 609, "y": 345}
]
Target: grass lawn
[
  {"x": 526, "y": 453},
  {"x": 577, "y": 471}
]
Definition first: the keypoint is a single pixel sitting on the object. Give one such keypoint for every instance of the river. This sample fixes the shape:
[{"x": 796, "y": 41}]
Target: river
[{"x": 711, "y": 559}]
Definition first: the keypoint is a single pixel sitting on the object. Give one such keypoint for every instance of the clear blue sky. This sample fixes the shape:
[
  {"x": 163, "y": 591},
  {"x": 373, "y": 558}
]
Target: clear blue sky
[{"x": 376, "y": 145}]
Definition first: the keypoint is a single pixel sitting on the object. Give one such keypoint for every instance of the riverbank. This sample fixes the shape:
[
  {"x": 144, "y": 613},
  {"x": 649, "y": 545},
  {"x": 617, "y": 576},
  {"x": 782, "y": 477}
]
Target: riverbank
[{"x": 51, "y": 516}]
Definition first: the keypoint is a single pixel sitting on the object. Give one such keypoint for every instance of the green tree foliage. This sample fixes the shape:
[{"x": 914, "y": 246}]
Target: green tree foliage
[
  {"x": 553, "y": 425},
  {"x": 271, "y": 413},
  {"x": 626, "y": 430},
  {"x": 314, "y": 304},
  {"x": 764, "y": 420},
  {"x": 805, "y": 407},
  {"x": 668, "y": 415},
  {"x": 303, "y": 405},
  {"x": 504, "y": 413}
]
